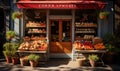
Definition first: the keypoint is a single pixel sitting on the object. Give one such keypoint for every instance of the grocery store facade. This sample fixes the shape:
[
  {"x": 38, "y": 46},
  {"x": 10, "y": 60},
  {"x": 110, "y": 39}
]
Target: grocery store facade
[{"x": 63, "y": 22}]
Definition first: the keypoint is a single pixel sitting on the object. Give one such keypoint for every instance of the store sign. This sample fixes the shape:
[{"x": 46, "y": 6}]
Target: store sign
[
  {"x": 57, "y": 6},
  {"x": 62, "y": 5}
]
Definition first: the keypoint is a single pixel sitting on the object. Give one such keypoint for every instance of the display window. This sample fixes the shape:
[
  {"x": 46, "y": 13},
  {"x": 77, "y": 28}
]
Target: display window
[
  {"x": 35, "y": 31},
  {"x": 86, "y": 26}
]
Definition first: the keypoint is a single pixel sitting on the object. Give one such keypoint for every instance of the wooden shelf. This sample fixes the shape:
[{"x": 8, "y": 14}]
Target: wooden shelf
[
  {"x": 32, "y": 51},
  {"x": 84, "y": 31},
  {"x": 36, "y": 33},
  {"x": 85, "y": 26},
  {"x": 91, "y": 51},
  {"x": 37, "y": 27}
]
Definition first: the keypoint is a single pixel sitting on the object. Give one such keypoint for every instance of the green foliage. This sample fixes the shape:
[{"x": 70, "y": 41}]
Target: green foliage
[
  {"x": 10, "y": 34},
  {"x": 93, "y": 57},
  {"x": 109, "y": 47},
  {"x": 15, "y": 47},
  {"x": 11, "y": 46},
  {"x": 7, "y": 53},
  {"x": 14, "y": 54},
  {"x": 111, "y": 42},
  {"x": 14, "y": 15},
  {"x": 7, "y": 46},
  {"x": 10, "y": 49},
  {"x": 104, "y": 15},
  {"x": 109, "y": 38},
  {"x": 33, "y": 57}
]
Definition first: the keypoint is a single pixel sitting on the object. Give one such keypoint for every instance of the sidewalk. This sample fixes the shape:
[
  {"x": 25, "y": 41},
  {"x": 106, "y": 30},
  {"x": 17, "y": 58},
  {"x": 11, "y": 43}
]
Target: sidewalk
[{"x": 57, "y": 65}]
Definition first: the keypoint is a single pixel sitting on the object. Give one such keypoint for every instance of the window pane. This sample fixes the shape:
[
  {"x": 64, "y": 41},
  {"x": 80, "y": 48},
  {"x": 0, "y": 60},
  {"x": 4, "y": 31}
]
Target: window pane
[
  {"x": 66, "y": 30},
  {"x": 54, "y": 30}
]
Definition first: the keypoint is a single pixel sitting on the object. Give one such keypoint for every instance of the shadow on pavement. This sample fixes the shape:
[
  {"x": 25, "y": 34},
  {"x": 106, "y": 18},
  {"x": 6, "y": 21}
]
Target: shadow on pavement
[{"x": 56, "y": 65}]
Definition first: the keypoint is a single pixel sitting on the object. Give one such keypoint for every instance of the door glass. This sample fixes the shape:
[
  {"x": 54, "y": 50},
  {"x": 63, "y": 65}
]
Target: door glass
[
  {"x": 54, "y": 30},
  {"x": 66, "y": 31}
]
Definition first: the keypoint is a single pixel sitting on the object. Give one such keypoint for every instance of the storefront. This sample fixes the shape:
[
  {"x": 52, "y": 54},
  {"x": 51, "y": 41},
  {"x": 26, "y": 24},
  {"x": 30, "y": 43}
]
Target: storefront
[{"x": 60, "y": 23}]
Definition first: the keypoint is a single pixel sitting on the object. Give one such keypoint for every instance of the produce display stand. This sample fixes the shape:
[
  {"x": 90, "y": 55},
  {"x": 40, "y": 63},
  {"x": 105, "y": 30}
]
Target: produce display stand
[
  {"x": 86, "y": 53},
  {"x": 43, "y": 54}
]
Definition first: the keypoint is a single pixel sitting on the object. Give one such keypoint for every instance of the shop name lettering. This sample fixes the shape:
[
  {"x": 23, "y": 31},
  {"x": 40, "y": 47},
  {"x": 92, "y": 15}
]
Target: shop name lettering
[
  {"x": 57, "y": 5},
  {"x": 67, "y": 6}
]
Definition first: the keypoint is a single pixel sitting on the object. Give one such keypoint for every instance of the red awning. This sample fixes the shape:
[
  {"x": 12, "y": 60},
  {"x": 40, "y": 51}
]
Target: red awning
[{"x": 61, "y": 4}]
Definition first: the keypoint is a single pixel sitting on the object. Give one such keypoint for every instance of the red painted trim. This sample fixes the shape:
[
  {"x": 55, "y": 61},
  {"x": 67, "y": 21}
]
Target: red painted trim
[{"x": 61, "y": 4}]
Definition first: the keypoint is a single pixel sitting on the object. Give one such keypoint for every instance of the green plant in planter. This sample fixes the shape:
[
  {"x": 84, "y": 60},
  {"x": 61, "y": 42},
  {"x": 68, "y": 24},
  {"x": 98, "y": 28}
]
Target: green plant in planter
[
  {"x": 14, "y": 54},
  {"x": 10, "y": 34},
  {"x": 109, "y": 47},
  {"x": 93, "y": 57},
  {"x": 111, "y": 42},
  {"x": 16, "y": 15},
  {"x": 14, "y": 47},
  {"x": 33, "y": 57},
  {"x": 7, "y": 53},
  {"x": 7, "y": 46},
  {"x": 10, "y": 48},
  {"x": 104, "y": 15}
]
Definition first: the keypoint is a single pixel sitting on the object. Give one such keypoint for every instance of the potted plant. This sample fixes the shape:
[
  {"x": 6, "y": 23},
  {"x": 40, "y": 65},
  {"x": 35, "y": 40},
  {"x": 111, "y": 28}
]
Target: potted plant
[
  {"x": 7, "y": 51},
  {"x": 33, "y": 59},
  {"x": 10, "y": 34},
  {"x": 80, "y": 61},
  {"x": 16, "y": 14},
  {"x": 10, "y": 51},
  {"x": 111, "y": 43},
  {"x": 7, "y": 55},
  {"x": 24, "y": 61},
  {"x": 104, "y": 15},
  {"x": 14, "y": 54},
  {"x": 14, "y": 57},
  {"x": 93, "y": 58},
  {"x": 7, "y": 46}
]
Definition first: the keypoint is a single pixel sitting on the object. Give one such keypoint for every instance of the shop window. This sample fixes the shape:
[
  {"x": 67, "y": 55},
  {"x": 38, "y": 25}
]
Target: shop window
[
  {"x": 85, "y": 24},
  {"x": 35, "y": 23}
]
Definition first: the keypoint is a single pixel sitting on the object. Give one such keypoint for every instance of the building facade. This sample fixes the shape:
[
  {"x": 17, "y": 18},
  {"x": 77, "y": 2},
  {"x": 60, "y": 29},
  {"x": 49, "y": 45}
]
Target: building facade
[{"x": 62, "y": 23}]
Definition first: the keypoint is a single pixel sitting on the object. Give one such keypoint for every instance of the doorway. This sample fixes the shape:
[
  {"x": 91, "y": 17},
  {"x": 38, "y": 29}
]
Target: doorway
[{"x": 60, "y": 36}]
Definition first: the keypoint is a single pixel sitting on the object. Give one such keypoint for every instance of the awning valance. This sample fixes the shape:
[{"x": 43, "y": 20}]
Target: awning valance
[{"x": 61, "y": 4}]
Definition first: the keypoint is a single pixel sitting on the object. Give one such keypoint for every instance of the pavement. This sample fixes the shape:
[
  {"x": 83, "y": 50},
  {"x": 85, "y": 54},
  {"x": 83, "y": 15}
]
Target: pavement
[{"x": 57, "y": 65}]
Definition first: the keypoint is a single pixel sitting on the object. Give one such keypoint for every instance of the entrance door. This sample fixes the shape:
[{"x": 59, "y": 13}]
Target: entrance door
[{"x": 60, "y": 36}]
